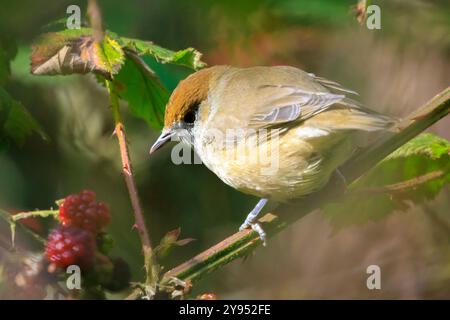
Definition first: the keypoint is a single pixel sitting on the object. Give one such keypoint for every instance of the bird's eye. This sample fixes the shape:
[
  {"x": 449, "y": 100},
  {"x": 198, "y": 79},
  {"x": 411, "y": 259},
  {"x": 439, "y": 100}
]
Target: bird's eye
[{"x": 190, "y": 117}]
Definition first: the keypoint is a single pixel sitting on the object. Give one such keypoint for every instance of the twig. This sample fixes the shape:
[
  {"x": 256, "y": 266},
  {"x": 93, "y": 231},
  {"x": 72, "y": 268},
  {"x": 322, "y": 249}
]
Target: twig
[
  {"x": 34, "y": 214},
  {"x": 95, "y": 19},
  {"x": 131, "y": 185},
  {"x": 151, "y": 267},
  {"x": 243, "y": 242},
  {"x": 12, "y": 220},
  {"x": 400, "y": 186}
]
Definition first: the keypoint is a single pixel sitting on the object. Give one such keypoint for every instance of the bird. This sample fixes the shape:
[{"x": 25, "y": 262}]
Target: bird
[{"x": 275, "y": 132}]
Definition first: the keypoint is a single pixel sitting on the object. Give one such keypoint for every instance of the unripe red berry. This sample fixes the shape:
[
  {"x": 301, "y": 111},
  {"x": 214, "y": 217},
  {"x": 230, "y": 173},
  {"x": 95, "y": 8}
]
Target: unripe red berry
[
  {"x": 83, "y": 211},
  {"x": 70, "y": 246}
]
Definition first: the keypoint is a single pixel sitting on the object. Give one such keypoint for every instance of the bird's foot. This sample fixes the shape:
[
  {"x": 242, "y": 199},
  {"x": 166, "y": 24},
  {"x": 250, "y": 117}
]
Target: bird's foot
[
  {"x": 252, "y": 217},
  {"x": 257, "y": 228}
]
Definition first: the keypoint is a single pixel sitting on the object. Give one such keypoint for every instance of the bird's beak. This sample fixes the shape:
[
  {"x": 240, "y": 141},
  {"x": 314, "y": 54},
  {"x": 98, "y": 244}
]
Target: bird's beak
[{"x": 162, "y": 140}]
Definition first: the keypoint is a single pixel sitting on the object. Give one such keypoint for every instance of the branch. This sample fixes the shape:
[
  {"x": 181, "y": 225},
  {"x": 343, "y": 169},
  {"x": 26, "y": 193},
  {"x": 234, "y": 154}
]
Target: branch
[
  {"x": 127, "y": 171},
  {"x": 243, "y": 242}
]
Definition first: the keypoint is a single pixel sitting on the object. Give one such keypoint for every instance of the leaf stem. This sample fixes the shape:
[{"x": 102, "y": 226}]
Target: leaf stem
[{"x": 119, "y": 131}]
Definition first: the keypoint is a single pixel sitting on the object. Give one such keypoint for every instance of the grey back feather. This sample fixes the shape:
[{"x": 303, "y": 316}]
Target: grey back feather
[{"x": 295, "y": 104}]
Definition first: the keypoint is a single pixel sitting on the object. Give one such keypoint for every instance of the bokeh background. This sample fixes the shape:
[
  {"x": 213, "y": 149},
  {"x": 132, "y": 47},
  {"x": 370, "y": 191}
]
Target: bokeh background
[{"x": 395, "y": 70}]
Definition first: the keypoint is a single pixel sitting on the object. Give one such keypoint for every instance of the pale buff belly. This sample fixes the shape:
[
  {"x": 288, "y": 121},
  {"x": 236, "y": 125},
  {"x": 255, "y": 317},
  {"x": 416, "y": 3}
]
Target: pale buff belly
[{"x": 298, "y": 163}]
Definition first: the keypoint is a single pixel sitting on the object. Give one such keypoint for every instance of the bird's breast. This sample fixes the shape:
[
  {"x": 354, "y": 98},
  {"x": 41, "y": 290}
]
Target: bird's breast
[{"x": 280, "y": 166}]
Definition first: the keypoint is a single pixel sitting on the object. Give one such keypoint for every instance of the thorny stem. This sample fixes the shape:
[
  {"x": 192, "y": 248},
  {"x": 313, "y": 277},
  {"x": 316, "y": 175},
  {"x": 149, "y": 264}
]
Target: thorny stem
[
  {"x": 119, "y": 131},
  {"x": 37, "y": 213},
  {"x": 243, "y": 242},
  {"x": 151, "y": 267},
  {"x": 95, "y": 18},
  {"x": 400, "y": 186},
  {"x": 12, "y": 220}
]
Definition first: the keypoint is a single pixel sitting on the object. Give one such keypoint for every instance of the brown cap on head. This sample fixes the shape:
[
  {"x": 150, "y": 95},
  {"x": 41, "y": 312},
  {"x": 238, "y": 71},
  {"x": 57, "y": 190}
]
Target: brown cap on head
[{"x": 189, "y": 93}]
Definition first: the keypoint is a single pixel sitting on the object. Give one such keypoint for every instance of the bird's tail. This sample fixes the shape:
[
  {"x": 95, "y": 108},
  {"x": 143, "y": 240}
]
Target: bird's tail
[{"x": 404, "y": 130}]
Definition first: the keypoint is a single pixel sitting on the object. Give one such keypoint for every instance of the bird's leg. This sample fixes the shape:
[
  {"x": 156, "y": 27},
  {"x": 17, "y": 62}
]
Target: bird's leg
[{"x": 251, "y": 218}]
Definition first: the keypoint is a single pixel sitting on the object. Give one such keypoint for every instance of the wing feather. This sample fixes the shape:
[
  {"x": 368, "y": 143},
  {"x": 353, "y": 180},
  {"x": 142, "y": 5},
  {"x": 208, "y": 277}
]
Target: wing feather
[
  {"x": 331, "y": 84},
  {"x": 294, "y": 104},
  {"x": 283, "y": 97}
]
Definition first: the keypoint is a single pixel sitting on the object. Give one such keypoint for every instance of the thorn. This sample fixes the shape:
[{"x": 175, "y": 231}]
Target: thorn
[{"x": 126, "y": 169}]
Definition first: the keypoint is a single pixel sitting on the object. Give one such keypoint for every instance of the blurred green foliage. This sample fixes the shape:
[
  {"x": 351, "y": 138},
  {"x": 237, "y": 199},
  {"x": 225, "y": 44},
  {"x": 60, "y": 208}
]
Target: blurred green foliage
[
  {"x": 424, "y": 155},
  {"x": 16, "y": 123}
]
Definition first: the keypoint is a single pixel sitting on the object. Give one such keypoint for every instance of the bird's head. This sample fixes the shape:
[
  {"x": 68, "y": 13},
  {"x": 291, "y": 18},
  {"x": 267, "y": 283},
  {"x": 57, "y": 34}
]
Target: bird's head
[{"x": 183, "y": 106}]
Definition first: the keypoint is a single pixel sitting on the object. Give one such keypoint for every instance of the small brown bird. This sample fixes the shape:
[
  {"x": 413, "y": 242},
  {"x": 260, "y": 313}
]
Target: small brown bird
[{"x": 278, "y": 133}]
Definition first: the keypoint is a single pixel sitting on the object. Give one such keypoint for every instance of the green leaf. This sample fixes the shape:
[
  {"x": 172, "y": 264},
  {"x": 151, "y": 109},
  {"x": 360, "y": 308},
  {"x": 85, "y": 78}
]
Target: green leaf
[
  {"x": 75, "y": 51},
  {"x": 426, "y": 144},
  {"x": 15, "y": 121},
  {"x": 117, "y": 59},
  {"x": 413, "y": 174},
  {"x": 18, "y": 124},
  {"x": 189, "y": 57},
  {"x": 137, "y": 84},
  {"x": 8, "y": 50},
  {"x": 169, "y": 241}
]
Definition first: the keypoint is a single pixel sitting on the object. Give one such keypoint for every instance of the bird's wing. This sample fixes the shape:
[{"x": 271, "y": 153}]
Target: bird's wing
[
  {"x": 332, "y": 85},
  {"x": 267, "y": 97},
  {"x": 292, "y": 103}
]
